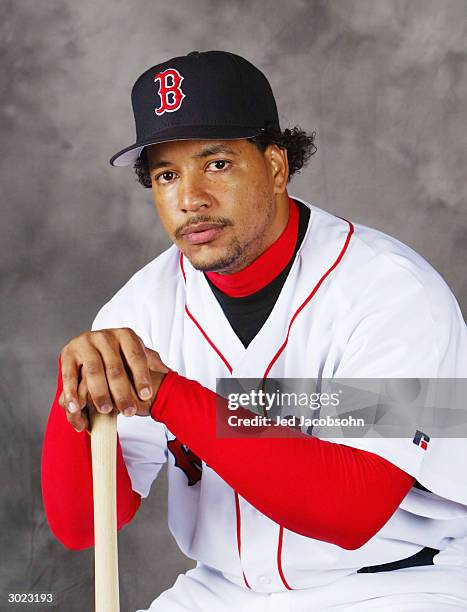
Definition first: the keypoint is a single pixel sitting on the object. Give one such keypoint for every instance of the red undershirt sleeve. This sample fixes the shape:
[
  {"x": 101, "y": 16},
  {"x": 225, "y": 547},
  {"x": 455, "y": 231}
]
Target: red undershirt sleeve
[
  {"x": 319, "y": 489},
  {"x": 67, "y": 481}
]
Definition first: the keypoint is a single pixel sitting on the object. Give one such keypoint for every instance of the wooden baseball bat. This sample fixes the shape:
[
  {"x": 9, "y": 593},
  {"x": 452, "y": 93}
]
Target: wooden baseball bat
[{"x": 104, "y": 448}]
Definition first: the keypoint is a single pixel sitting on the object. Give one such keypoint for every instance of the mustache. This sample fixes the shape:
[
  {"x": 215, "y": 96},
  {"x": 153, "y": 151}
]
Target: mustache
[{"x": 202, "y": 219}]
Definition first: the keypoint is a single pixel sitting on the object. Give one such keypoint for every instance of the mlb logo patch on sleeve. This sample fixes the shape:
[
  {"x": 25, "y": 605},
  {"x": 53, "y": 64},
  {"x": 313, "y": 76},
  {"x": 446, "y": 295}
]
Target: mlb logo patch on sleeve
[{"x": 421, "y": 439}]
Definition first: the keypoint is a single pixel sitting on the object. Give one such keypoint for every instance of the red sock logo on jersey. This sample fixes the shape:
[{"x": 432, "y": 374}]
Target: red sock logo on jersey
[
  {"x": 186, "y": 460},
  {"x": 169, "y": 91}
]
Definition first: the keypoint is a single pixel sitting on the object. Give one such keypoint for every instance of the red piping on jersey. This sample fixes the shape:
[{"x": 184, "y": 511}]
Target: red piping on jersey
[
  {"x": 210, "y": 342},
  {"x": 279, "y": 559},
  {"x": 239, "y": 535},
  {"x": 312, "y": 294},
  {"x": 204, "y": 334},
  {"x": 182, "y": 267},
  {"x": 268, "y": 369},
  {"x": 277, "y": 355}
]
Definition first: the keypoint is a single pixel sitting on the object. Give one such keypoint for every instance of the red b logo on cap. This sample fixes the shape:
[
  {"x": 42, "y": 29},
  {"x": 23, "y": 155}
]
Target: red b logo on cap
[{"x": 169, "y": 90}]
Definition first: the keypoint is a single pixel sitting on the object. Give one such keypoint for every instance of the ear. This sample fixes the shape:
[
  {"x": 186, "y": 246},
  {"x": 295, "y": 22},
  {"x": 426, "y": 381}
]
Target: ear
[{"x": 278, "y": 160}]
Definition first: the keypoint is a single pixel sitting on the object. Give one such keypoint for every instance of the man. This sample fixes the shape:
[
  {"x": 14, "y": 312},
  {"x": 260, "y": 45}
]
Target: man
[{"x": 261, "y": 285}]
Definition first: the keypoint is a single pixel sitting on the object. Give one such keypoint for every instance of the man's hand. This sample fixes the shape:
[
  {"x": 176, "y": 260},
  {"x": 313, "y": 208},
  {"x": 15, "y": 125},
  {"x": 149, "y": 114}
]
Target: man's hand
[{"x": 108, "y": 369}]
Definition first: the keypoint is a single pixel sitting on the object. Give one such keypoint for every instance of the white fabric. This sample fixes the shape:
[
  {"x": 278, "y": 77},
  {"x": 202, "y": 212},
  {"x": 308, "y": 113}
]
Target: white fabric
[
  {"x": 202, "y": 589},
  {"x": 382, "y": 312}
]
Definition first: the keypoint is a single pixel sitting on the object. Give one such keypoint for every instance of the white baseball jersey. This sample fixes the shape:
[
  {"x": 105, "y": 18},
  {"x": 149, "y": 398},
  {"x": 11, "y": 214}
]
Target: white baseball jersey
[{"x": 356, "y": 304}]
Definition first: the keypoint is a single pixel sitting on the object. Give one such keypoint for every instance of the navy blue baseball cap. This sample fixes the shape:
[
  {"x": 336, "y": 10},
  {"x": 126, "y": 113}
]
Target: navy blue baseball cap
[{"x": 199, "y": 96}]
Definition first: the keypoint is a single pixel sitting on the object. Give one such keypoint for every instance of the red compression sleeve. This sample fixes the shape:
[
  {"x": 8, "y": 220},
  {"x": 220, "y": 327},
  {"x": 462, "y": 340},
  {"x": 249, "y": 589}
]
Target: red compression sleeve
[
  {"x": 67, "y": 481},
  {"x": 319, "y": 489}
]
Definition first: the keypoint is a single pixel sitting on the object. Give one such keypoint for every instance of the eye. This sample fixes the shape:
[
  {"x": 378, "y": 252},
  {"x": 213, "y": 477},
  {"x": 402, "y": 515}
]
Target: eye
[
  {"x": 165, "y": 177},
  {"x": 218, "y": 165}
]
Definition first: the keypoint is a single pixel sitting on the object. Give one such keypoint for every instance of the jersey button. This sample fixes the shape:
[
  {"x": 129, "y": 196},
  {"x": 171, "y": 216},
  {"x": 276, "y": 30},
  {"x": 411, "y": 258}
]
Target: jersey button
[{"x": 264, "y": 580}]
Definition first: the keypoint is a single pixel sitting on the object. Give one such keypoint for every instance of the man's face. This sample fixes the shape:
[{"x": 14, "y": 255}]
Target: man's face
[{"x": 222, "y": 202}]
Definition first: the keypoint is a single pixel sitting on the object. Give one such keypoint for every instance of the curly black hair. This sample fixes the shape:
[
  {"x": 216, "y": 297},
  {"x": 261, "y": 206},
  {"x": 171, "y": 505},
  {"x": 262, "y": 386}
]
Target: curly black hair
[{"x": 300, "y": 147}]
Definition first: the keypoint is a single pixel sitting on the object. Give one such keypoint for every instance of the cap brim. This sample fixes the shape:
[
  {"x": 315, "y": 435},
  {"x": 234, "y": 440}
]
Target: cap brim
[{"x": 129, "y": 155}]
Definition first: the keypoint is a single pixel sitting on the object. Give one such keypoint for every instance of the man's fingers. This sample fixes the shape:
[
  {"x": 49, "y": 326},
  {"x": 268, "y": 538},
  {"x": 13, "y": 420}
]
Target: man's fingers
[
  {"x": 117, "y": 369},
  {"x": 83, "y": 394},
  {"x": 84, "y": 400},
  {"x": 118, "y": 380},
  {"x": 78, "y": 420},
  {"x": 136, "y": 358},
  {"x": 70, "y": 371},
  {"x": 94, "y": 372}
]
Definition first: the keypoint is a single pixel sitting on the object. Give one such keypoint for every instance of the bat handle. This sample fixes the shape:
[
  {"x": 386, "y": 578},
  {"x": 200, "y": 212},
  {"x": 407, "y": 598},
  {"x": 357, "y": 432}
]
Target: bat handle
[{"x": 104, "y": 447}]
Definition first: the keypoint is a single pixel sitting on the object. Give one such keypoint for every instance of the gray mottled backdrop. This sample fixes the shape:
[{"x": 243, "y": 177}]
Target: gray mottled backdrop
[{"x": 384, "y": 84}]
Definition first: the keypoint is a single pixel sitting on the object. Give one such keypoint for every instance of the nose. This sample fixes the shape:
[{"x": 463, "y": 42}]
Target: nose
[{"x": 192, "y": 195}]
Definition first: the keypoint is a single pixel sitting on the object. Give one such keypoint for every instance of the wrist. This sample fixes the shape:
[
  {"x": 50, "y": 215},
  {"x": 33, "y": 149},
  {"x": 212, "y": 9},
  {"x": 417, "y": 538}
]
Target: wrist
[{"x": 156, "y": 381}]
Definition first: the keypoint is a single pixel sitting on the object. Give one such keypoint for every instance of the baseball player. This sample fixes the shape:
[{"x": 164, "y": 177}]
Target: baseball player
[{"x": 259, "y": 284}]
